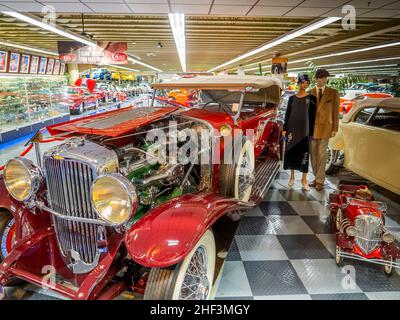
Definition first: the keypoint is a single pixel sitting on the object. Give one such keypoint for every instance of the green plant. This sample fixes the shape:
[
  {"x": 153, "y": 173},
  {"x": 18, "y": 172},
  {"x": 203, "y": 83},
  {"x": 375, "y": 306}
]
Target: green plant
[{"x": 339, "y": 84}]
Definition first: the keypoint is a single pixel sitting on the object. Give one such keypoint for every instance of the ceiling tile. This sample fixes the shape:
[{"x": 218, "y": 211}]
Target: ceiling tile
[
  {"x": 338, "y": 12},
  {"x": 323, "y": 3},
  {"x": 23, "y": 6},
  {"x": 369, "y": 4},
  {"x": 69, "y": 7},
  {"x": 191, "y": 2},
  {"x": 395, "y": 5},
  {"x": 43, "y": 1},
  {"x": 230, "y": 10},
  {"x": 147, "y": 1},
  {"x": 380, "y": 13},
  {"x": 99, "y": 1},
  {"x": 149, "y": 8},
  {"x": 235, "y": 2},
  {"x": 268, "y": 11},
  {"x": 283, "y": 3},
  {"x": 191, "y": 9},
  {"x": 109, "y": 7},
  {"x": 306, "y": 12}
]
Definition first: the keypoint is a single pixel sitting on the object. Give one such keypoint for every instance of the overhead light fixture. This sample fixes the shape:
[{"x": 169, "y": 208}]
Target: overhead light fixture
[
  {"x": 177, "y": 22},
  {"x": 18, "y": 46},
  {"x": 297, "y": 33},
  {"x": 387, "y": 45},
  {"x": 341, "y": 54},
  {"x": 36, "y": 22}
]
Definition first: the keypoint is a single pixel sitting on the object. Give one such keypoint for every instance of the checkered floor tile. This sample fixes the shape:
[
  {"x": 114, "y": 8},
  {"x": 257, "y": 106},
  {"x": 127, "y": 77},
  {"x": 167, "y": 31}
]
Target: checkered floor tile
[{"x": 284, "y": 249}]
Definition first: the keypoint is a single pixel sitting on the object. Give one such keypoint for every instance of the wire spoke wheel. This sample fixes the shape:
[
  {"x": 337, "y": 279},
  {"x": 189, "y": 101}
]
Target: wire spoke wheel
[
  {"x": 196, "y": 285},
  {"x": 191, "y": 279}
]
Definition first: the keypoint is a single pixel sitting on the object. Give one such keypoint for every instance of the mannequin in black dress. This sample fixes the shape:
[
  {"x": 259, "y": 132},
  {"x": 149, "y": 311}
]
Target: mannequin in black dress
[{"x": 298, "y": 129}]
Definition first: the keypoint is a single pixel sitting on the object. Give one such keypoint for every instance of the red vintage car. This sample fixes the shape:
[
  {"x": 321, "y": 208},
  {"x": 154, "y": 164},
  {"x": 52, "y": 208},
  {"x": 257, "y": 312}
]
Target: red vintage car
[
  {"x": 359, "y": 222},
  {"x": 115, "y": 208},
  {"x": 79, "y": 99}
]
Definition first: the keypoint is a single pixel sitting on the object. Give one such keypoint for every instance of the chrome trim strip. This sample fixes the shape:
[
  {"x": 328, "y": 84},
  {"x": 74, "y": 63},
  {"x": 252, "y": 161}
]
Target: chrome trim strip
[
  {"x": 377, "y": 261},
  {"x": 41, "y": 206}
]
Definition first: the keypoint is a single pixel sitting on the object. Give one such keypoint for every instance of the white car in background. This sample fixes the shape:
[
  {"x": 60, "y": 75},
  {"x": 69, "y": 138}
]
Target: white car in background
[{"x": 369, "y": 139}]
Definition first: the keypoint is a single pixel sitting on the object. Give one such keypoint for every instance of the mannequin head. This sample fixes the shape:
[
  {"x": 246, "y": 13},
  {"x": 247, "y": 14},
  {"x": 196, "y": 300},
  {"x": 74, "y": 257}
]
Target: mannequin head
[
  {"x": 322, "y": 77},
  {"x": 303, "y": 82}
]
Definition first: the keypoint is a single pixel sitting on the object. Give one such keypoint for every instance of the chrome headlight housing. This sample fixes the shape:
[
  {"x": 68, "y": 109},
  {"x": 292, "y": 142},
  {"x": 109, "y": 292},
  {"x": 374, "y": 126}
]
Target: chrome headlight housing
[
  {"x": 114, "y": 198},
  {"x": 22, "y": 178},
  {"x": 388, "y": 237}
]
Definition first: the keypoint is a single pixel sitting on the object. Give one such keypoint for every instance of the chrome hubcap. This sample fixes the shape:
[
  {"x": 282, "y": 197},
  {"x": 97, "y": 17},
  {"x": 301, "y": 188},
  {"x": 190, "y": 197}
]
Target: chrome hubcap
[{"x": 196, "y": 284}]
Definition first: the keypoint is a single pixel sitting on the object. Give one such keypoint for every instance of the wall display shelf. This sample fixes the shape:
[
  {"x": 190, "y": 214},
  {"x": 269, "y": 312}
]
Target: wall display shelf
[{"x": 29, "y": 102}]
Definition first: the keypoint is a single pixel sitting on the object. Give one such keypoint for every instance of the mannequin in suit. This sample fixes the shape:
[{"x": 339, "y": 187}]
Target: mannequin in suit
[{"x": 326, "y": 125}]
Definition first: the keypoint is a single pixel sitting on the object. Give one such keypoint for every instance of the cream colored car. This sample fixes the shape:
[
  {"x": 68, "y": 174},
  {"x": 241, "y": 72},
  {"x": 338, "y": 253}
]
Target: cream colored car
[{"x": 369, "y": 136}]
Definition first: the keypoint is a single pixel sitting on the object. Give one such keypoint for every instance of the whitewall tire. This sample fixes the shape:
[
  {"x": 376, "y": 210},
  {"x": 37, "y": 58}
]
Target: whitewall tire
[{"x": 191, "y": 279}]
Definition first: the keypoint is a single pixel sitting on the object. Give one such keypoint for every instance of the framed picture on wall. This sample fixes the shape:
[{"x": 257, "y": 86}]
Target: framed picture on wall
[
  {"x": 57, "y": 65},
  {"x": 13, "y": 65},
  {"x": 42, "y": 65},
  {"x": 25, "y": 62},
  {"x": 50, "y": 66},
  {"x": 3, "y": 61},
  {"x": 62, "y": 69},
  {"x": 34, "y": 65}
]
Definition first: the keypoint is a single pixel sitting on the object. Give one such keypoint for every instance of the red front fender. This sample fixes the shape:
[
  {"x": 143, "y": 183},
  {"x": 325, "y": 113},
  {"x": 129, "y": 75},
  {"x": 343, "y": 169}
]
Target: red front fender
[{"x": 167, "y": 233}]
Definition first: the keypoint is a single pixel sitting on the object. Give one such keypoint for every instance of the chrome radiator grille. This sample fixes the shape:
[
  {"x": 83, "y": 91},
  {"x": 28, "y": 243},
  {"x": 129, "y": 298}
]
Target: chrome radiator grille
[
  {"x": 369, "y": 231},
  {"x": 68, "y": 184}
]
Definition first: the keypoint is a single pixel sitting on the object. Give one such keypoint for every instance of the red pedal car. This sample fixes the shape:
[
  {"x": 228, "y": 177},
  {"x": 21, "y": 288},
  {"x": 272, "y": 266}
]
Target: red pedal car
[
  {"x": 79, "y": 99},
  {"x": 109, "y": 211},
  {"x": 361, "y": 233}
]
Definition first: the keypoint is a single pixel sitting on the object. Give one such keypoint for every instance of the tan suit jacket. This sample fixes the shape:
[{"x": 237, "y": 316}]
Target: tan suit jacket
[{"x": 327, "y": 116}]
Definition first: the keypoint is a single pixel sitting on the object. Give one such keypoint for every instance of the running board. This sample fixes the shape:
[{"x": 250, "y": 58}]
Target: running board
[{"x": 265, "y": 173}]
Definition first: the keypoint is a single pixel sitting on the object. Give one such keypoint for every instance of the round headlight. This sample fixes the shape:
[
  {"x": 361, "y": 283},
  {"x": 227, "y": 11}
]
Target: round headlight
[
  {"x": 225, "y": 130},
  {"x": 114, "y": 198},
  {"x": 388, "y": 237},
  {"x": 22, "y": 178},
  {"x": 351, "y": 231}
]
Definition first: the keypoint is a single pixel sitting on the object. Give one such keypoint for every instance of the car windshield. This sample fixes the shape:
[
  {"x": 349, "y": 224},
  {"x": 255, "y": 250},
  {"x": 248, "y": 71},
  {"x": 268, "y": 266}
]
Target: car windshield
[{"x": 220, "y": 100}]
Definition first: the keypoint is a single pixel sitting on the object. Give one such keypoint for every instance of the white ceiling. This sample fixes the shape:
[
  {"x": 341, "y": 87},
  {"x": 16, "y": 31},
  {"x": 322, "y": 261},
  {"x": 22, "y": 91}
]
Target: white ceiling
[{"x": 277, "y": 8}]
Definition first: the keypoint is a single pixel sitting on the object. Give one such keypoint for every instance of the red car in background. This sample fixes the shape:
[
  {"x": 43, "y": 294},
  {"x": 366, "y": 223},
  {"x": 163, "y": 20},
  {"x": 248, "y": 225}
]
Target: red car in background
[
  {"x": 79, "y": 99},
  {"x": 347, "y": 104}
]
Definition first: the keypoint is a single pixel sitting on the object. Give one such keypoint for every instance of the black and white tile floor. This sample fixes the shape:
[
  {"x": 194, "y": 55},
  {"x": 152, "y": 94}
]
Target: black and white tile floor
[{"x": 284, "y": 249}]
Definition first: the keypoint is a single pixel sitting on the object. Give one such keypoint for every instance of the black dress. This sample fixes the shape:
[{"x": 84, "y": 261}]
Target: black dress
[{"x": 299, "y": 126}]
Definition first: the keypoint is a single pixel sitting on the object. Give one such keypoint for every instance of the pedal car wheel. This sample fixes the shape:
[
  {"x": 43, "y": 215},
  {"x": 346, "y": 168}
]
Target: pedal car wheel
[
  {"x": 339, "y": 217},
  {"x": 388, "y": 268},
  {"x": 236, "y": 179},
  {"x": 7, "y": 235},
  {"x": 191, "y": 279},
  {"x": 338, "y": 258}
]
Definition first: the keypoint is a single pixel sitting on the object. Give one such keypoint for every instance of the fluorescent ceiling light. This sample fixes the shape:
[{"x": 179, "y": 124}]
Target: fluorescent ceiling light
[
  {"x": 297, "y": 33},
  {"x": 144, "y": 64},
  {"x": 341, "y": 54},
  {"x": 351, "y": 68},
  {"x": 13, "y": 45},
  {"x": 48, "y": 27},
  {"x": 349, "y": 52},
  {"x": 177, "y": 22},
  {"x": 36, "y": 22}
]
